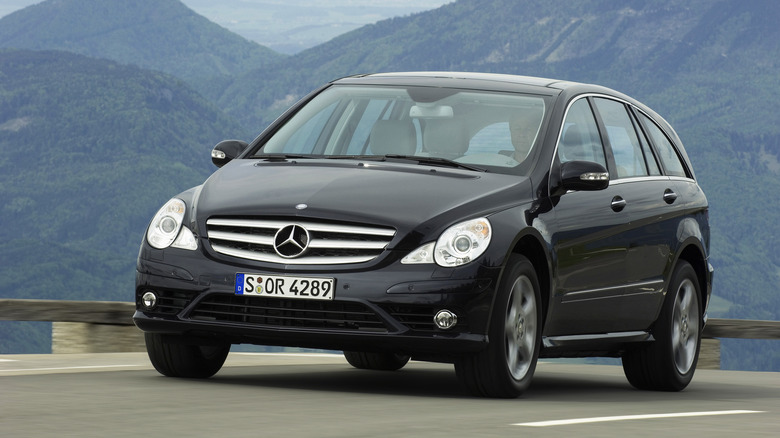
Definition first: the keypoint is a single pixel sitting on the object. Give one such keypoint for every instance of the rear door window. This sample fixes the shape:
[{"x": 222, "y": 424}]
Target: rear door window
[{"x": 629, "y": 156}]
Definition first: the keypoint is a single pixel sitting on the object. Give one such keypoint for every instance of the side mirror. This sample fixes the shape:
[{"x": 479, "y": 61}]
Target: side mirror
[
  {"x": 227, "y": 150},
  {"x": 582, "y": 175}
]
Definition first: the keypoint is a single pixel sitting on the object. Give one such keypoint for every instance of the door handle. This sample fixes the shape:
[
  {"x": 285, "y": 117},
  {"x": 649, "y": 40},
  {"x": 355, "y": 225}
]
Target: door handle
[
  {"x": 669, "y": 196},
  {"x": 618, "y": 203}
]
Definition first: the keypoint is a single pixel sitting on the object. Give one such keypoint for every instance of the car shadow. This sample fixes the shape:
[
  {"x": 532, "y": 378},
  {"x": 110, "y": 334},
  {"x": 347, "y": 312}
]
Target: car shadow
[{"x": 415, "y": 380}]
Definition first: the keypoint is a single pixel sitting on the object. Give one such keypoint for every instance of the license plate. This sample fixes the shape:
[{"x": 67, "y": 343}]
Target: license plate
[{"x": 276, "y": 286}]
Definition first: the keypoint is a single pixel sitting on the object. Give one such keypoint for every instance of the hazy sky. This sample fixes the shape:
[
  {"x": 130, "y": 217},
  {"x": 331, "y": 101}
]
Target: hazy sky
[{"x": 288, "y": 25}]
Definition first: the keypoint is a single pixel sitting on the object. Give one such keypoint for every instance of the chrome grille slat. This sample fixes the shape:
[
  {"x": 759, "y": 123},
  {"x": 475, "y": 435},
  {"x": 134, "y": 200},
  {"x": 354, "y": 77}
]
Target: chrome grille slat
[
  {"x": 274, "y": 258},
  {"x": 239, "y": 237},
  {"x": 311, "y": 226},
  {"x": 330, "y": 243},
  {"x": 324, "y": 243}
]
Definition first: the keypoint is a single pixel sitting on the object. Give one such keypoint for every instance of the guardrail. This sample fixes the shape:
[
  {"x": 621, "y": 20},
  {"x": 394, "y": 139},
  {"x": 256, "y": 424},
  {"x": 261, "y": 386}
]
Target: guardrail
[
  {"x": 107, "y": 326},
  {"x": 80, "y": 326}
]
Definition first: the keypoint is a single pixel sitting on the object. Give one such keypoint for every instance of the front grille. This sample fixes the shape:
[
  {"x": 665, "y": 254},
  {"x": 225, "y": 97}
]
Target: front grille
[
  {"x": 322, "y": 242},
  {"x": 278, "y": 312}
]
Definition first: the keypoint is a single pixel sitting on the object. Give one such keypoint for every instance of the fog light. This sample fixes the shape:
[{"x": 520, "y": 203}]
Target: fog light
[
  {"x": 445, "y": 319},
  {"x": 149, "y": 300}
]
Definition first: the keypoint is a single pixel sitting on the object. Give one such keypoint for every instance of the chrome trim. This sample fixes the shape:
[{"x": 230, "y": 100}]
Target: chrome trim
[
  {"x": 273, "y": 258},
  {"x": 618, "y": 203},
  {"x": 311, "y": 226},
  {"x": 682, "y": 178},
  {"x": 346, "y": 244},
  {"x": 315, "y": 243},
  {"x": 645, "y": 284},
  {"x": 376, "y": 241},
  {"x": 238, "y": 237},
  {"x": 633, "y": 179},
  {"x": 298, "y": 237}
]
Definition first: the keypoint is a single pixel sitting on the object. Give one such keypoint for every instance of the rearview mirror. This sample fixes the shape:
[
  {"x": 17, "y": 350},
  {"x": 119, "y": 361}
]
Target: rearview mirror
[
  {"x": 583, "y": 175},
  {"x": 227, "y": 150},
  {"x": 430, "y": 111}
]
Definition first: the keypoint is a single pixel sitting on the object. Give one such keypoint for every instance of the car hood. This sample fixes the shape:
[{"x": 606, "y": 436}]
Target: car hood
[{"x": 408, "y": 197}]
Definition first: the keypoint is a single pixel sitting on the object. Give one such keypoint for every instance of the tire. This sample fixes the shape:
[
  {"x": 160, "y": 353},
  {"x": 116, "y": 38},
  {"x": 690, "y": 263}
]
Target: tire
[
  {"x": 505, "y": 368},
  {"x": 174, "y": 357},
  {"x": 376, "y": 361},
  {"x": 668, "y": 363}
]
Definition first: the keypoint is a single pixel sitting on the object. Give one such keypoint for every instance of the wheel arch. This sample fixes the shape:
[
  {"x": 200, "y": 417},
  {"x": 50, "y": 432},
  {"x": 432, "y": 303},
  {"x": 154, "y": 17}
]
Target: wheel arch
[
  {"x": 694, "y": 255},
  {"x": 531, "y": 247}
]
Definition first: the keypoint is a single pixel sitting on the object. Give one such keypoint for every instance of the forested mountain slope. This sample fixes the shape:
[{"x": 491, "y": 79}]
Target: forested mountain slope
[
  {"x": 161, "y": 35},
  {"x": 636, "y": 46},
  {"x": 89, "y": 149}
]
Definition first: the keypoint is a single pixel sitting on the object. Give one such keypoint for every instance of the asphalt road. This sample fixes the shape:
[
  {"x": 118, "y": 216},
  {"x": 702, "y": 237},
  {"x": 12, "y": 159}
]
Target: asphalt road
[{"x": 262, "y": 395}]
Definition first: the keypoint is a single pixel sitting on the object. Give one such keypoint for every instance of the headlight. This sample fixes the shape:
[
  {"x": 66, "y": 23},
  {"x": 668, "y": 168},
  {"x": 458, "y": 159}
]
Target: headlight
[
  {"x": 458, "y": 245},
  {"x": 166, "y": 228}
]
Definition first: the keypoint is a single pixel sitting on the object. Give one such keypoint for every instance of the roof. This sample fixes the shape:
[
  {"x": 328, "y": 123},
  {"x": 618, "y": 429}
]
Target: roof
[{"x": 458, "y": 79}]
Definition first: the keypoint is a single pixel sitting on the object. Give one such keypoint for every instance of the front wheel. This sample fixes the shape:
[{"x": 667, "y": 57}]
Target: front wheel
[
  {"x": 376, "y": 361},
  {"x": 173, "y": 356},
  {"x": 668, "y": 363},
  {"x": 505, "y": 368}
]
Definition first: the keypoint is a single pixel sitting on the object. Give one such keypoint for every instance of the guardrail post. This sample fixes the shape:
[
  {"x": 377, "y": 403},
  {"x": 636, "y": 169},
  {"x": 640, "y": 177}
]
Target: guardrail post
[
  {"x": 709, "y": 354},
  {"x": 80, "y": 337}
]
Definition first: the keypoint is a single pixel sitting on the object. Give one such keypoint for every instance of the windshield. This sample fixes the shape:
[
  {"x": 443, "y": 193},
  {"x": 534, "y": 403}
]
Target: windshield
[{"x": 485, "y": 130}]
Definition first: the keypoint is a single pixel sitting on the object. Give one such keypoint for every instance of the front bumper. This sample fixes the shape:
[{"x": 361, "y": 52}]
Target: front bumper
[{"x": 377, "y": 308}]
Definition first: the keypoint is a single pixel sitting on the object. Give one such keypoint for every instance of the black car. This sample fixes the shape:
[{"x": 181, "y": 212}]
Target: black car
[{"x": 477, "y": 219}]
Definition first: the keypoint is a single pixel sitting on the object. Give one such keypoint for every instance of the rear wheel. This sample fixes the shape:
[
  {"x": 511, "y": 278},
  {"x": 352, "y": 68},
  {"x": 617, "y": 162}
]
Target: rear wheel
[
  {"x": 173, "y": 356},
  {"x": 376, "y": 361},
  {"x": 506, "y": 366},
  {"x": 668, "y": 363}
]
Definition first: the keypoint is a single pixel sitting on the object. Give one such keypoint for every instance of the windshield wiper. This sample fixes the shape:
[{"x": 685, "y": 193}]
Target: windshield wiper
[
  {"x": 436, "y": 161},
  {"x": 280, "y": 156}
]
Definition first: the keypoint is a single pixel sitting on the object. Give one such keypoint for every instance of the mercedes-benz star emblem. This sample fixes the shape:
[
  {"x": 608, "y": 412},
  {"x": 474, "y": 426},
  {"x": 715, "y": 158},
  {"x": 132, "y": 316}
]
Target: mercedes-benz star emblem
[{"x": 291, "y": 241}]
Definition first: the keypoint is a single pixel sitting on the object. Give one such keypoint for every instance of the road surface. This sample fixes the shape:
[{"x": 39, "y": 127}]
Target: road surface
[{"x": 282, "y": 395}]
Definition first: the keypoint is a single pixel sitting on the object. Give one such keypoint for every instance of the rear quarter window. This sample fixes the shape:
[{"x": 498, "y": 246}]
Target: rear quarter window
[{"x": 670, "y": 161}]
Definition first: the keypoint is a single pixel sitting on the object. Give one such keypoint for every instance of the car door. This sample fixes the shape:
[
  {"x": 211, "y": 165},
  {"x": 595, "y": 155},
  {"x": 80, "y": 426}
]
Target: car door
[
  {"x": 590, "y": 236},
  {"x": 653, "y": 210},
  {"x": 682, "y": 200}
]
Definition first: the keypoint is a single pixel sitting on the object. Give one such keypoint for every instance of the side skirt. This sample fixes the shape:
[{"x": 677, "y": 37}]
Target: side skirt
[{"x": 592, "y": 345}]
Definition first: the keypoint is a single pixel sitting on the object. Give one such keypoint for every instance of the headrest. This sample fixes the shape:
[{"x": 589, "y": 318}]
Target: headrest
[
  {"x": 393, "y": 137},
  {"x": 571, "y": 147},
  {"x": 445, "y": 138}
]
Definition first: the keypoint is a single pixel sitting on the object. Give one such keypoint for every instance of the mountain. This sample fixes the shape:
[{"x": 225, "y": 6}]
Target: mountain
[
  {"x": 90, "y": 150},
  {"x": 639, "y": 46},
  {"x": 161, "y": 35}
]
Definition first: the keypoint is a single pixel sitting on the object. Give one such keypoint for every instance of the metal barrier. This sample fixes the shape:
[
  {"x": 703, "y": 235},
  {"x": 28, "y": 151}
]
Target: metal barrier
[
  {"x": 107, "y": 326},
  {"x": 80, "y": 326}
]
